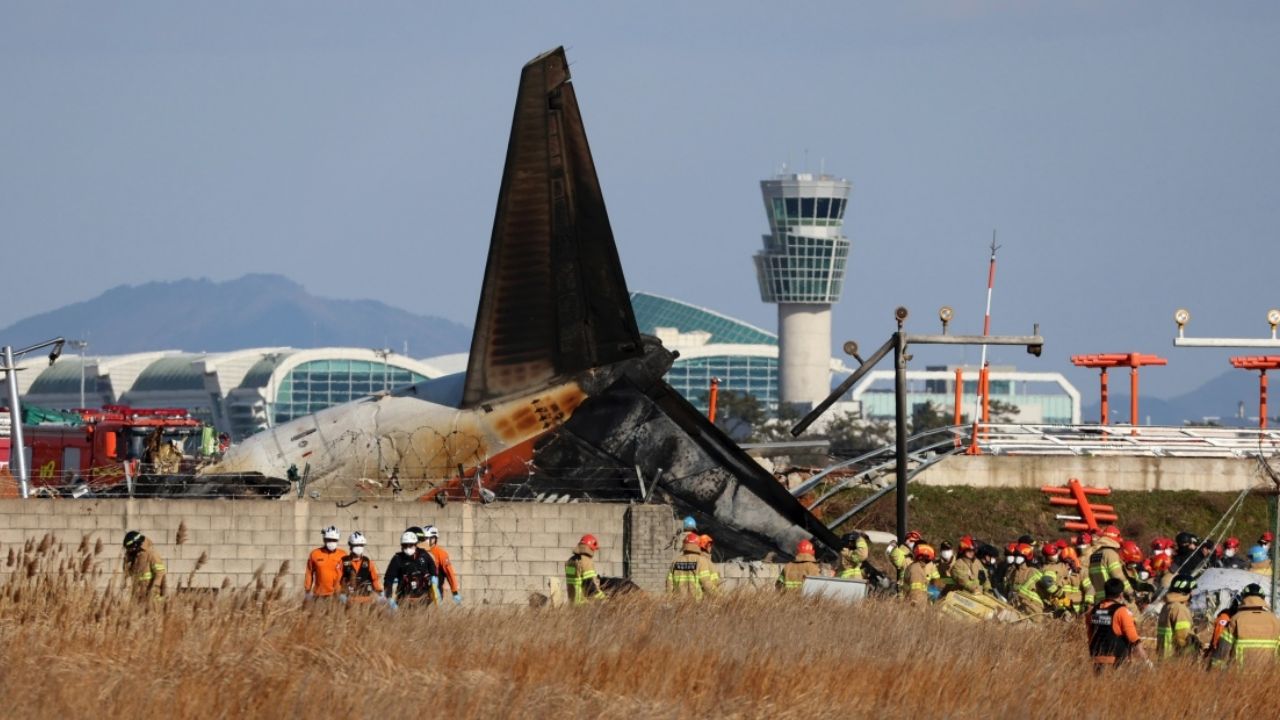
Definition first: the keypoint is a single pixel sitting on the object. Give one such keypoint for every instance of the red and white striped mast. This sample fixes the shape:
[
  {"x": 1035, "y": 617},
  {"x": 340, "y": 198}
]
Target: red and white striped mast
[{"x": 982, "y": 402}]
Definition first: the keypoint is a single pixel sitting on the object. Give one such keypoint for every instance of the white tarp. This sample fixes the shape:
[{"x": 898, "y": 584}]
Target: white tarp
[{"x": 841, "y": 589}]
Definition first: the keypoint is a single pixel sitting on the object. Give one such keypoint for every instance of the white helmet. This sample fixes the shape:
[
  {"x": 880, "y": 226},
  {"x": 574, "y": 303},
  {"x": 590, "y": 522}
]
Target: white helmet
[
  {"x": 331, "y": 533},
  {"x": 357, "y": 538},
  {"x": 430, "y": 531},
  {"x": 409, "y": 538}
]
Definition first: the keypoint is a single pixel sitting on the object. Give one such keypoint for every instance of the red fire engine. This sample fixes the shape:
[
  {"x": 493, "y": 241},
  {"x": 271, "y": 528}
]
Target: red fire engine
[{"x": 108, "y": 444}]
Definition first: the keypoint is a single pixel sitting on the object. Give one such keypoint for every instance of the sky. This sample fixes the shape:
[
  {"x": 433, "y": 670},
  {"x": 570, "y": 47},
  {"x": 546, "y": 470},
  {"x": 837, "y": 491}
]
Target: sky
[{"x": 1127, "y": 154}]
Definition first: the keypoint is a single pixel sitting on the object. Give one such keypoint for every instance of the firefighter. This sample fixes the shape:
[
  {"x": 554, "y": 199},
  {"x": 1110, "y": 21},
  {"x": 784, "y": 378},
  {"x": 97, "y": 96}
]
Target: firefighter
[
  {"x": 581, "y": 581},
  {"x": 688, "y": 525},
  {"x": 704, "y": 544},
  {"x": 1113, "y": 635},
  {"x": 143, "y": 566},
  {"x": 793, "y": 573},
  {"x": 1025, "y": 581},
  {"x": 1251, "y": 638},
  {"x": 1220, "y": 623},
  {"x": 1173, "y": 631},
  {"x": 989, "y": 557},
  {"x": 1265, "y": 541},
  {"x": 323, "y": 575},
  {"x": 1231, "y": 555},
  {"x": 1004, "y": 577},
  {"x": 967, "y": 572},
  {"x": 1104, "y": 561},
  {"x": 443, "y": 565},
  {"x": 900, "y": 555},
  {"x": 1258, "y": 560},
  {"x": 691, "y": 572},
  {"x": 1161, "y": 571},
  {"x": 946, "y": 559},
  {"x": 1192, "y": 556},
  {"x": 359, "y": 583},
  {"x": 1138, "y": 575},
  {"x": 1054, "y": 576},
  {"x": 1075, "y": 586},
  {"x": 920, "y": 575},
  {"x": 411, "y": 575},
  {"x": 853, "y": 555}
]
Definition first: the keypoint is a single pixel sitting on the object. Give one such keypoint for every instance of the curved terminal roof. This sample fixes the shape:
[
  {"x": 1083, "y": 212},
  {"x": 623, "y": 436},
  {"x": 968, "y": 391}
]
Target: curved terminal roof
[{"x": 654, "y": 311}]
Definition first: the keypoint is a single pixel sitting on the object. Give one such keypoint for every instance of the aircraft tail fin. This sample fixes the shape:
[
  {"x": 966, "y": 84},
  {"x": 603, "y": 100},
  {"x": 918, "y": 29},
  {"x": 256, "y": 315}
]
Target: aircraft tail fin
[{"x": 554, "y": 299}]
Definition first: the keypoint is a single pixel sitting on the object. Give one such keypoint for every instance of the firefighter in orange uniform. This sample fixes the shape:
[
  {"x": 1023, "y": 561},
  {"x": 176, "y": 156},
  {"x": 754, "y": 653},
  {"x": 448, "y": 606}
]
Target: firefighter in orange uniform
[
  {"x": 360, "y": 583},
  {"x": 443, "y": 566},
  {"x": 1113, "y": 634},
  {"x": 323, "y": 577}
]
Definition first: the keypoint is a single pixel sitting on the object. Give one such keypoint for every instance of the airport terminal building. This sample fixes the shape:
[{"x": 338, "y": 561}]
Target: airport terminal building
[{"x": 239, "y": 392}]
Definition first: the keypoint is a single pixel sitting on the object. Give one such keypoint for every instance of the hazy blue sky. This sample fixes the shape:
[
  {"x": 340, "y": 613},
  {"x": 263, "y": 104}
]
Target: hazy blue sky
[{"x": 1129, "y": 154}]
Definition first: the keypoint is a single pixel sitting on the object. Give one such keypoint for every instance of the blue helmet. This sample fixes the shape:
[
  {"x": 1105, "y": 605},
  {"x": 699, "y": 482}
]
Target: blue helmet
[
  {"x": 1257, "y": 554},
  {"x": 690, "y": 523}
]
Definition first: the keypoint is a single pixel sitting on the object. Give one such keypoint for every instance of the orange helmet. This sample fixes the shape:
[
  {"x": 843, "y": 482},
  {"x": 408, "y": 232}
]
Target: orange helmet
[
  {"x": 914, "y": 535},
  {"x": 1130, "y": 552},
  {"x": 966, "y": 543},
  {"x": 1111, "y": 531},
  {"x": 590, "y": 541},
  {"x": 804, "y": 547},
  {"x": 704, "y": 543},
  {"x": 924, "y": 551},
  {"x": 1069, "y": 556},
  {"x": 1025, "y": 550},
  {"x": 1011, "y": 548}
]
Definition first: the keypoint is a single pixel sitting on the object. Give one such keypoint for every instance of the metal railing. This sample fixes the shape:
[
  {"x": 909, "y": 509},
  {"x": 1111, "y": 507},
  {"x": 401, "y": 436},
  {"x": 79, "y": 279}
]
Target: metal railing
[{"x": 1127, "y": 440}]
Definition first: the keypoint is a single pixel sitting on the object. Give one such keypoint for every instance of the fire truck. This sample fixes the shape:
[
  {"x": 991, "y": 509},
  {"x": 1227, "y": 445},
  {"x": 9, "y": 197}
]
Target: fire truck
[{"x": 107, "y": 449}]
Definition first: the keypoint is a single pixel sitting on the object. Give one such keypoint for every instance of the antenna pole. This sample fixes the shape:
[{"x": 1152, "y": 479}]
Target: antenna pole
[{"x": 982, "y": 406}]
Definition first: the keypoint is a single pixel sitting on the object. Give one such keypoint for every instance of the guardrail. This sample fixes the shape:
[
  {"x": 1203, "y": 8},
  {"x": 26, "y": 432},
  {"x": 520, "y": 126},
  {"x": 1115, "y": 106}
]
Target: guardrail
[{"x": 1128, "y": 440}]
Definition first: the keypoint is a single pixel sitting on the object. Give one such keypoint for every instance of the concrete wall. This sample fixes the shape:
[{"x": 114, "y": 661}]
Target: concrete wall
[
  {"x": 1115, "y": 472},
  {"x": 502, "y": 551}
]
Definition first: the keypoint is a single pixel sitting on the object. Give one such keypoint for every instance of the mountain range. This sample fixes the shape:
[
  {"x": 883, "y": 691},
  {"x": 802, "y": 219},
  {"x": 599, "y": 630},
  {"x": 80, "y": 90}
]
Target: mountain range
[{"x": 257, "y": 310}]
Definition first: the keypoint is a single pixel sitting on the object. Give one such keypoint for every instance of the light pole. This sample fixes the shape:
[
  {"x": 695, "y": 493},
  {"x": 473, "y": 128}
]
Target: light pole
[
  {"x": 898, "y": 343},
  {"x": 17, "y": 454},
  {"x": 383, "y": 353}
]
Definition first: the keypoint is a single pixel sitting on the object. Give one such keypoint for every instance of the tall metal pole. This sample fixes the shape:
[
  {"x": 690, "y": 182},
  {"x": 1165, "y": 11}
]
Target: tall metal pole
[
  {"x": 900, "y": 426},
  {"x": 17, "y": 447}
]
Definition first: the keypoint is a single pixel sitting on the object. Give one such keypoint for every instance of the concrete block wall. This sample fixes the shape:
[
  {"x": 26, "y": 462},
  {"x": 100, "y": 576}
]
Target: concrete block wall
[
  {"x": 651, "y": 530},
  {"x": 502, "y": 551},
  {"x": 1117, "y": 472}
]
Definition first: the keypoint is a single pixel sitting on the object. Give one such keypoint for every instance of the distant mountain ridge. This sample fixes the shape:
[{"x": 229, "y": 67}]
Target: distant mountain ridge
[{"x": 256, "y": 310}]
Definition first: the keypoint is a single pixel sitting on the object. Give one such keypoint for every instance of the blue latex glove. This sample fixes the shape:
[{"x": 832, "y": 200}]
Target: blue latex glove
[
  {"x": 457, "y": 599},
  {"x": 435, "y": 586},
  {"x": 391, "y": 603},
  {"x": 934, "y": 593},
  {"x": 342, "y": 599}
]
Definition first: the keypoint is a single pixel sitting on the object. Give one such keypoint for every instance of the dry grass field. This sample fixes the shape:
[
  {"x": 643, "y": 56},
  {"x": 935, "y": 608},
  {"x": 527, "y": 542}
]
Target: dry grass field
[{"x": 70, "y": 651}]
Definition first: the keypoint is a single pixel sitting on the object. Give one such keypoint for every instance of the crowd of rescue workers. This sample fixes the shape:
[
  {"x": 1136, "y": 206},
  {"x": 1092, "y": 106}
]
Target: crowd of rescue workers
[{"x": 1105, "y": 580}]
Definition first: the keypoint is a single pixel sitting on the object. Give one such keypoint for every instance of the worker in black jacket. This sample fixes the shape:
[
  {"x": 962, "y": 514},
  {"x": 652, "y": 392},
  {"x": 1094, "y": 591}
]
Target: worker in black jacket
[{"x": 411, "y": 574}]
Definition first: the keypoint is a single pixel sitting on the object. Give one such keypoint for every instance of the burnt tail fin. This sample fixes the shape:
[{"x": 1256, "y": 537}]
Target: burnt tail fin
[{"x": 554, "y": 299}]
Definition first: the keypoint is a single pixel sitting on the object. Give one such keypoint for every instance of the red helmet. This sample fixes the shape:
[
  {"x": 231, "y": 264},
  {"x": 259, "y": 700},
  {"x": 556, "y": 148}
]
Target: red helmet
[
  {"x": 1025, "y": 550},
  {"x": 1083, "y": 538},
  {"x": 924, "y": 551},
  {"x": 1159, "y": 563},
  {"x": 691, "y": 537},
  {"x": 1062, "y": 544},
  {"x": 1111, "y": 531},
  {"x": 704, "y": 543},
  {"x": 966, "y": 543},
  {"x": 1267, "y": 537},
  {"x": 1011, "y": 548},
  {"x": 1161, "y": 543},
  {"x": 804, "y": 547},
  {"x": 590, "y": 541},
  {"x": 914, "y": 535},
  {"x": 1050, "y": 550},
  {"x": 1232, "y": 543},
  {"x": 1130, "y": 552}
]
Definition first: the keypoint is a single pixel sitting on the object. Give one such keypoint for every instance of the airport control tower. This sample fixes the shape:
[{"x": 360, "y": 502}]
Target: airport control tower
[{"x": 801, "y": 268}]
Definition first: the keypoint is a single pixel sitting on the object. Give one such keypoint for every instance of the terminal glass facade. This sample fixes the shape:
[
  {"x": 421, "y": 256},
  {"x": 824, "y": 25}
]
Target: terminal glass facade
[
  {"x": 316, "y": 385},
  {"x": 755, "y": 376}
]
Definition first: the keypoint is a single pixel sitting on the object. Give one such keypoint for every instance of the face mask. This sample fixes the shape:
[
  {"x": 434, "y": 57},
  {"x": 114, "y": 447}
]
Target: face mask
[
  {"x": 1229, "y": 552},
  {"x": 947, "y": 554},
  {"x": 1008, "y": 559},
  {"x": 408, "y": 550},
  {"x": 1082, "y": 548},
  {"x": 911, "y": 544},
  {"x": 330, "y": 544},
  {"x": 1019, "y": 560},
  {"x": 357, "y": 550},
  {"x": 1144, "y": 575}
]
